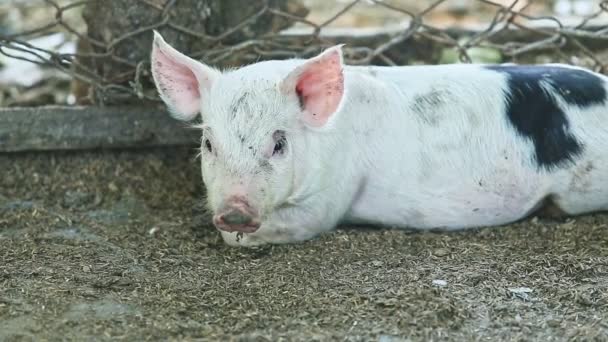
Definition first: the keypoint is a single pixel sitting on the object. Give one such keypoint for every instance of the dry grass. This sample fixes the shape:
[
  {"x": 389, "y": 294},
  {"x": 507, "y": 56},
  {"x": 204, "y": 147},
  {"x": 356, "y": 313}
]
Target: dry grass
[{"x": 78, "y": 261}]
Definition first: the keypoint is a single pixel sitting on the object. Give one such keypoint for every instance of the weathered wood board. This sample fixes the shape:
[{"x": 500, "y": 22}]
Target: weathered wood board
[{"x": 73, "y": 128}]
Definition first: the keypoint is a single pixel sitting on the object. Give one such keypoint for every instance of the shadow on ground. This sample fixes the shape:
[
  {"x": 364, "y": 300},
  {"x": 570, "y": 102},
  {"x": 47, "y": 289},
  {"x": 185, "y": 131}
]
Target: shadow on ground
[{"x": 115, "y": 245}]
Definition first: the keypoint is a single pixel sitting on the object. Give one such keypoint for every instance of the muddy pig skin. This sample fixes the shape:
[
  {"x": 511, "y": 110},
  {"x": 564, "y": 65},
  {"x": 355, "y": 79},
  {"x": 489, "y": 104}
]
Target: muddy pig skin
[{"x": 290, "y": 149}]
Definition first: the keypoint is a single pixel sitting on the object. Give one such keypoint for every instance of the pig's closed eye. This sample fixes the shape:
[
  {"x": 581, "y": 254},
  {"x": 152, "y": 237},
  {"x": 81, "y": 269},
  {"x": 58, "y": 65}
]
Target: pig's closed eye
[
  {"x": 208, "y": 145},
  {"x": 278, "y": 147},
  {"x": 279, "y": 143}
]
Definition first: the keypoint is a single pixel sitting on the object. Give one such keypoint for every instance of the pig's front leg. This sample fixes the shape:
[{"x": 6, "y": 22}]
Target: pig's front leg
[{"x": 287, "y": 226}]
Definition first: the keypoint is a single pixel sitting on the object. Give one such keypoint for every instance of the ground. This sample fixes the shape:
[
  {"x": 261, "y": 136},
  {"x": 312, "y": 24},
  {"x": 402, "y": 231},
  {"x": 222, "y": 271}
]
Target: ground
[{"x": 115, "y": 245}]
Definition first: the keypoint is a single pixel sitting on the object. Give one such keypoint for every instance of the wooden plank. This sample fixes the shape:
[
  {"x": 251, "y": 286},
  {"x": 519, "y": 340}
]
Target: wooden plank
[{"x": 72, "y": 128}]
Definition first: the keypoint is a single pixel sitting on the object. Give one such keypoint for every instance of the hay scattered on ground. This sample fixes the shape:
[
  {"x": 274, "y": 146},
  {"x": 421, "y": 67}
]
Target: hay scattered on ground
[{"x": 116, "y": 246}]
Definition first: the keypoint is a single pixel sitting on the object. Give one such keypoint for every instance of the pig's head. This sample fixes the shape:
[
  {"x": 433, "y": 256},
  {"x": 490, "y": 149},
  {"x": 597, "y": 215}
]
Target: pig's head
[{"x": 257, "y": 124}]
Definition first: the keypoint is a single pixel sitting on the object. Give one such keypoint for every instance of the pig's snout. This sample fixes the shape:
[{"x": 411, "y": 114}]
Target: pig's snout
[{"x": 237, "y": 216}]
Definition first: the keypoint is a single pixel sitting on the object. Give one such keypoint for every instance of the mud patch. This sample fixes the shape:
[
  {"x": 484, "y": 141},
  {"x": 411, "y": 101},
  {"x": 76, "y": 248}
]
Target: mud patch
[
  {"x": 580, "y": 179},
  {"x": 426, "y": 105},
  {"x": 99, "y": 310}
]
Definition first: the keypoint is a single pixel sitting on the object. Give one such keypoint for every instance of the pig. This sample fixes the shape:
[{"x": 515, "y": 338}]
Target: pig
[{"x": 292, "y": 148}]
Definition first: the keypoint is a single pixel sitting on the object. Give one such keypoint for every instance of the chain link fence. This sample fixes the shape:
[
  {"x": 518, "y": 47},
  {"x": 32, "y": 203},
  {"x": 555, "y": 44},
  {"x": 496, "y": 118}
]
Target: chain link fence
[{"x": 107, "y": 61}]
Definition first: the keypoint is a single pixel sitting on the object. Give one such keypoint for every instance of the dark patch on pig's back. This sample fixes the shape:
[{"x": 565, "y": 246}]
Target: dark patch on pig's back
[
  {"x": 426, "y": 105},
  {"x": 533, "y": 108}
]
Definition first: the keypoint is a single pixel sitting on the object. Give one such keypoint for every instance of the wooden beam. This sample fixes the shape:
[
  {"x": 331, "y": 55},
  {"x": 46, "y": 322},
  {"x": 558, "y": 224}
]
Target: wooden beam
[{"x": 73, "y": 128}]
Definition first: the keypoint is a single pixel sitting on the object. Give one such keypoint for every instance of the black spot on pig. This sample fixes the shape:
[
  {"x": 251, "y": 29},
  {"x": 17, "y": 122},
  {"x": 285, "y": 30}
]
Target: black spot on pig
[
  {"x": 238, "y": 105},
  {"x": 432, "y": 98},
  {"x": 265, "y": 166},
  {"x": 575, "y": 86},
  {"x": 533, "y": 107},
  {"x": 425, "y": 105},
  {"x": 581, "y": 180}
]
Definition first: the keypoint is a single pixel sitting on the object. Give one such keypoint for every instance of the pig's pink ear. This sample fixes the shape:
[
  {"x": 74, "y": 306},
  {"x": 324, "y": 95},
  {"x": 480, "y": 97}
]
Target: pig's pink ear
[
  {"x": 180, "y": 80},
  {"x": 319, "y": 85}
]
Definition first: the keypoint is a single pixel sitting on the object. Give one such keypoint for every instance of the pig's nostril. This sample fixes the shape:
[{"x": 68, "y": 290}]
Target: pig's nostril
[{"x": 236, "y": 218}]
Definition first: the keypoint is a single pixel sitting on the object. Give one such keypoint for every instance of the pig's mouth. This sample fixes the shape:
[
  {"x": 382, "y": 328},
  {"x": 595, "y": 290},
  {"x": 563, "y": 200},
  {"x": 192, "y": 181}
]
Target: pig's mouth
[
  {"x": 241, "y": 228},
  {"x": 237, "y": 217}
]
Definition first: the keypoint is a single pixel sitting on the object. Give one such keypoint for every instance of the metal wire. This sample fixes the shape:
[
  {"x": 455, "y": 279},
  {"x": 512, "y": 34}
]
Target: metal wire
[{"x": 133, "y": 80}]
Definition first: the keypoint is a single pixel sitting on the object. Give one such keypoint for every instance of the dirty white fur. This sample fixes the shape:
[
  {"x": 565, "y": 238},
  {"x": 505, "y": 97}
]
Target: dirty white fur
[{"x": 419, "y": 147}]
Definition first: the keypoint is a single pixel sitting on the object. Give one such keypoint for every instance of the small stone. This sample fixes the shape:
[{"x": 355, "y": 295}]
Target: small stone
[
  {"x": 86, "y": 269},
  {"x": 522, "y": 293},
  {"x": 520, "y": 290},
  {"x": 377, "y": 263},
  {"x": 441, "y": 252},
  {"x": 112, "y": 187},
  {"x": 440, "y": 282}
]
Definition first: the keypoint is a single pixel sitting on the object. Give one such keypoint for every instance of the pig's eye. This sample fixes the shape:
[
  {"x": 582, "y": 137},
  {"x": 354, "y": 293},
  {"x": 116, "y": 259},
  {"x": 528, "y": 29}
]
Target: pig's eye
[
  {"x": 278, "y": 147},
  {"x": 208, "y": 145},
  {"x": 279, "y": 143}
]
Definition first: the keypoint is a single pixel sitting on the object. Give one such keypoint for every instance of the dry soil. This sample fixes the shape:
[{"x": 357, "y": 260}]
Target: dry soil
[{"x": 115, "y": 245}]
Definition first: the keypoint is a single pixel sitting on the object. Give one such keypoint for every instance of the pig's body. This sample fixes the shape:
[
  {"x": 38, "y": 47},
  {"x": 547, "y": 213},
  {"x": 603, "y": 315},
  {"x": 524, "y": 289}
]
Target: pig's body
[
  {"x": 424, "y": 147},
  {"x": 442, "y": 148}
]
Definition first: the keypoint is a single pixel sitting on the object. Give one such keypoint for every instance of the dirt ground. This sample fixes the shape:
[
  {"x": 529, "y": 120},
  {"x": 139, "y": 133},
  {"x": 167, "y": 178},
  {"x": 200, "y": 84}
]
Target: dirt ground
[{"x": 114, "y": 245}]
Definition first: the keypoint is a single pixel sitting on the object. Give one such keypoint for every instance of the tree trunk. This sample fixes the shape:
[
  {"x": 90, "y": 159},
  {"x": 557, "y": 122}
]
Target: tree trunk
[{"x": 122, "y": 29}]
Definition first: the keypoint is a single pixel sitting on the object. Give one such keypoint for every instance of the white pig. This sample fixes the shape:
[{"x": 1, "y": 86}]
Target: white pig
[{"x": 292, "y": 148}]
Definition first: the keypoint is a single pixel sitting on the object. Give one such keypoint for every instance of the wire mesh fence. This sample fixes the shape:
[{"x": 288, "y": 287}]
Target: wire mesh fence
[{"x": 108, "y": 59}]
